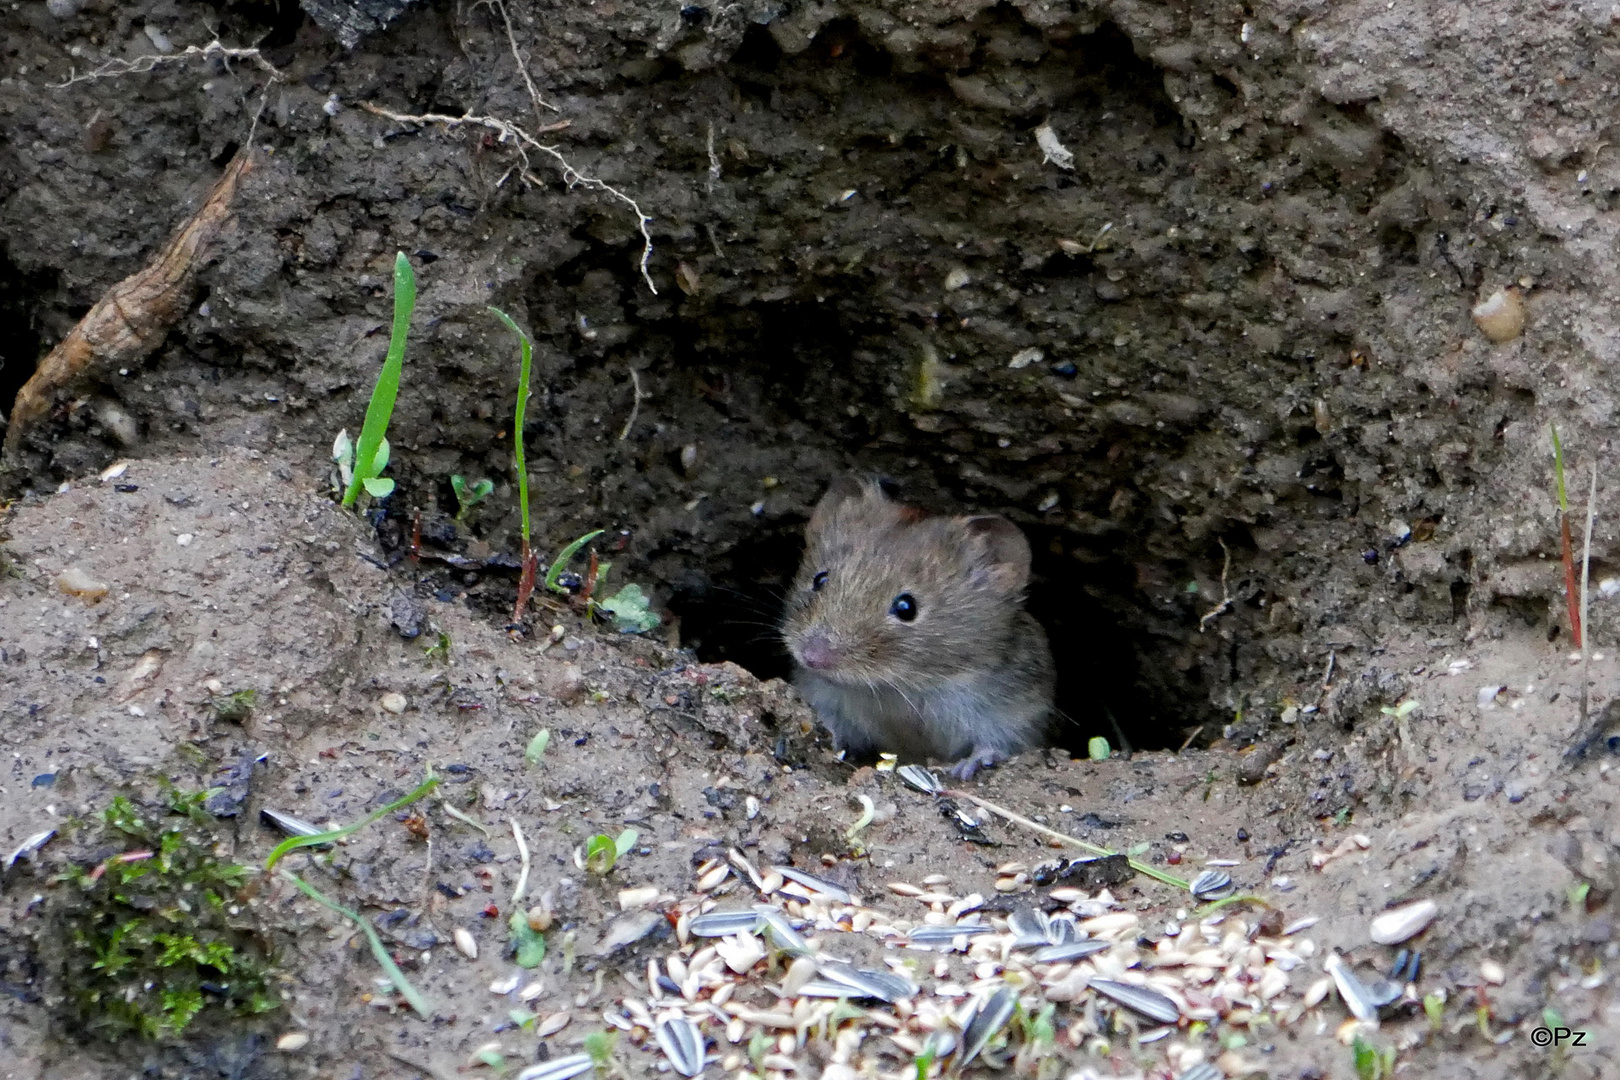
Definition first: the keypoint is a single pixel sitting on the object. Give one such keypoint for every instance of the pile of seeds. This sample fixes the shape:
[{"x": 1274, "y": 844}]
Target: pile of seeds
[{"x": 764, "y": 982}]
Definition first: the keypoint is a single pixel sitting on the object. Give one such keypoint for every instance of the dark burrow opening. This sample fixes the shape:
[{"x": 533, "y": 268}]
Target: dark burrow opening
[
  {"x": 1107, "y": 684},
  {"x": 19, "y": 329}
]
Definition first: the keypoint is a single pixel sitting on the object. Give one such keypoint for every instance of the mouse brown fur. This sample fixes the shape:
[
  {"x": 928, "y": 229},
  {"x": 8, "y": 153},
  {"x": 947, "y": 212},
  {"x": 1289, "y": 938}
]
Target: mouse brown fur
[{"x": 908, "y": 632}]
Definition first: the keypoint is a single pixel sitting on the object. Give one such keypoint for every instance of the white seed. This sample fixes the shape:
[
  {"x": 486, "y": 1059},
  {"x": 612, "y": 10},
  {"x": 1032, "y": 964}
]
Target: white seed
[
  {"x": 1398, "y": 924},
  {"x": 904, "y": 888},
  {"x": 293, "y": 1040},
  {"x": 532, "y": 991},
  {"x": 393, "y": 702},
  {"x": 631, "y": 899},
  {"x": 553, "y": 1024},
  {"x": 1492, "y": 972},
  {"x": 505, "y": 986},
  {"x": 465, "y": 942}
]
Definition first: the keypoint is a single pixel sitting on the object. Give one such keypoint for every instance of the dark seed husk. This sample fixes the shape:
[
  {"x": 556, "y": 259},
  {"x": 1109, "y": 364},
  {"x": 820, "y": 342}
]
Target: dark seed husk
[
  {"x": 288, "y": 824},
  {"x": 868, "y": 982},
  {"x": 682, "y": 1043},
  {"x": 1028, "y": 928},
  {"x": 1213, "y": 885},
  {"x": 1061, "y": 929},
  {"x": 988, "y": 1019},
  {"x": 725, "y": 923},
  {"x": 920, "y": 778},
  {"x": 815, "y": 884},
  {"x": 945, "y": 935},
  {"x": 1070, "y": 950},
  {"x": 773, "y": 922},
  {"x": 561, "y": 1069},
  {"x": 1150, "y": 1003}
]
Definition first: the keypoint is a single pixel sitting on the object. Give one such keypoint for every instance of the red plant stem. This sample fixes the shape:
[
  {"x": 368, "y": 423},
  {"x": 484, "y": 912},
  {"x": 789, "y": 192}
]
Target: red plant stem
[
  {"x": 525, "y": 582},
  {"x": 1572, "y": 592}
]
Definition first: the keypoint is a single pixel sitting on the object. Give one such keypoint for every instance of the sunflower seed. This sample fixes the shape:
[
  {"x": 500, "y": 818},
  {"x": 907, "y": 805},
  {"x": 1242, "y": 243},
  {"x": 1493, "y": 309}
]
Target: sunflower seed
[
  {"x": 29, "y": 846},
  {"x": 288, "y": 824},
  {"x": 563, "y": 1068},
  {"x": 1212, "y": 885},
  {"x": 989, "y": 1018},
  {"x": 682, "y": 1043},
  {"x": 815, "y": 884},
  {"x": 920, "y": 778},
  {"x": 1357, "y": 998},
  {"x": 1150, "y": 1003},
  {"x": 552, "y": 1024},
  {"x": 1060, "y": 929},
  {"x": 945, "y": 935},
  {"x": 1069, "y": 950},
  {"x": 774, "y": 924},
  {"x": 1202, "y": 1071},
  {"x": 867, "y": 982},
  {"x": 465, "y": 942},
  {"x": 1028, "y": 928},
  {"x": 725, "y": 923}
]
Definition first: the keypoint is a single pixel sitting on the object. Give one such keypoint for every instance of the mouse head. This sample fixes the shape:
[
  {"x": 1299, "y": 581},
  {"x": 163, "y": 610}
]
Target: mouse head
[{"x": 887, "y": 594}]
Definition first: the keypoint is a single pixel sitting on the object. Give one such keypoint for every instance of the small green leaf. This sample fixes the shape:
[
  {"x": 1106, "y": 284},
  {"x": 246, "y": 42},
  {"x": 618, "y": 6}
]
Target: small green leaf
[
  {"x": 1365, "y": 1056},
  {"x": 1097, "y": 749},
  {"x": 378, "y": 488},
  {"x": 625, "y": 841},
  {"x": 599, "y": 1045},
  {"x": 492, "y": 1057},
  {"x": 629, "y": 609},
  {"x": 523, "y": 1018},
  {"x": 1434, "y": 1007},
  {"x": 529, "y": 942},
  {"x": 458, "y": 484},
  {"x": 1577, "y": 894},
  {"x": 343, "y": 449},
  {"x": 1138, "y": 849},
  {"x": 537, "y": 746},
  {"x": 379, "y": 460},
  {"x": 482, "y": 490},
  {"x": 600, "y": 853},
  {"x": 566, "y": 555}
]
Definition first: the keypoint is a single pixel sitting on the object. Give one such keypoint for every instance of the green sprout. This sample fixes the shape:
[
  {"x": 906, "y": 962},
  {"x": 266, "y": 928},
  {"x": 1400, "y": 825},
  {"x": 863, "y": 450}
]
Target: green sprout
[
  {"x": 469, "y": 497},
  {"x": 361, "y": 465},
  {"x": 630, "y": 610},
  {"x": 439, "y": 649},
  {"x": 537, "y": 746},
  {"x": 528, "y": 944},
  {"x": 1097, "y": 748},
  {"x": 554, "y": 572},
  {"x": 525, "y": 355},
  {"x": 599, "y": 1045},
  {"x": 1371, "y": 1062},
  {"x": 602, "y": 851}
]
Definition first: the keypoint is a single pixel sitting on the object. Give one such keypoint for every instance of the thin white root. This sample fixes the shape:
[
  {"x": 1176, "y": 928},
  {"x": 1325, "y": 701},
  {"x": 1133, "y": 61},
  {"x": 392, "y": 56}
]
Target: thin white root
[
  {"x": 523, "y": 141},
  {"x": 635, "y": 406},
  {"x": 141, "y": 64}
]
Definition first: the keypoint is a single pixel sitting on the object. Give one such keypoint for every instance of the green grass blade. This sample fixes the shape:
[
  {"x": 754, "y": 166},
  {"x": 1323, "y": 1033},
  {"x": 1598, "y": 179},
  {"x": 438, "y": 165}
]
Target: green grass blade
[
  {"x": 525, "y": 353},
  {"x": 293, "y": 843},
  {"x": 410, "y": 993},
  {"x": 381, "y": 408},
  {"x": 560, "y": 563}
]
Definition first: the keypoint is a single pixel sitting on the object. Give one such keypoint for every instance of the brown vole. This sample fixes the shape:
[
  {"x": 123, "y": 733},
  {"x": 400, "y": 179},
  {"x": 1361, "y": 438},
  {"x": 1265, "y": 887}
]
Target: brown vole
[{"x": 908, "y": 632}]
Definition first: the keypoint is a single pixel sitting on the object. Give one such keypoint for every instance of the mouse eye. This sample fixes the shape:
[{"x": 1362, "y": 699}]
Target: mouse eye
[
  {"x": 818, "y": 581},
  {"x": 904, "y": 607}
]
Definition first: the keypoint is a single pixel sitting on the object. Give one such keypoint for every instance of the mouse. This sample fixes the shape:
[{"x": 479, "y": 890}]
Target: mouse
[{"x": 908, "y": 632}]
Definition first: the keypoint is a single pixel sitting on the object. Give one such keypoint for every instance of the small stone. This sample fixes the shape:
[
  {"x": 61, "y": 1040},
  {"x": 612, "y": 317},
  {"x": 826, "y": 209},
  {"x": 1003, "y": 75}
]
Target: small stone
[
  {"x": 1492, "y": 972},
  {"x": 393, "y": 702},
  {"x": 958, "y": 278},
  {"x": 1501, "y": 316}
]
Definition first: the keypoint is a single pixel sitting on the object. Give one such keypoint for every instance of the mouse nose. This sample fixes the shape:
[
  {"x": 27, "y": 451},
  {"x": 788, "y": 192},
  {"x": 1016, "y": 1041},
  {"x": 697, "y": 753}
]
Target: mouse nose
[{"x": 817, "y": 652}]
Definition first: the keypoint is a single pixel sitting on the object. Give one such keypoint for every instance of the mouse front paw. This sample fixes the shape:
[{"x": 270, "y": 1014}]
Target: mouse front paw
[{"x": 983, "y": 757}]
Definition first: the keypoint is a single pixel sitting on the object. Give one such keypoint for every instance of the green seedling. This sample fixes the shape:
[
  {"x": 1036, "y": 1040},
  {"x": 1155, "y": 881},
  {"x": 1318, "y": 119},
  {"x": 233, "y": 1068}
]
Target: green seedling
[
  {"x": 630, "y": 610},
  {"x": 537, "y": 746},
  {"x": 1097, "y": 748},
  {"x": 439, "y": 649},
  {"x": 361, "y": 465},
  {"x": 602, "y": 852},
  {"x": 554, "y": 572},
  {"x": 379, "y": 951},
  {"x": 155, "y": 935},
  {"x": 492, "y": 1057},
  {"x": 1434, "y": 1007},
  {"x": 599, "y": 1045},
  {"x": 529, "y": 944},
  {"x": 1577, "y": 895},
  {"x": 234, "y": 707},
  {"x": 525, "y": 355},
  {"x": 468, "y": 497}
]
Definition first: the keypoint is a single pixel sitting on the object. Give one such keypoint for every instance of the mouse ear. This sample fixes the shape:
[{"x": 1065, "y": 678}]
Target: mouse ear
[
  {"x": 845, "y": 489},
  {"x": 1002, "y": 551}
]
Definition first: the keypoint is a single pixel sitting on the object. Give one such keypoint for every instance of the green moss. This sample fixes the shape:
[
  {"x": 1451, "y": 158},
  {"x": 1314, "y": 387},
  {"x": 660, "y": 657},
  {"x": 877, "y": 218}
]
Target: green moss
[{"x": 157, "y": 933}]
